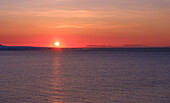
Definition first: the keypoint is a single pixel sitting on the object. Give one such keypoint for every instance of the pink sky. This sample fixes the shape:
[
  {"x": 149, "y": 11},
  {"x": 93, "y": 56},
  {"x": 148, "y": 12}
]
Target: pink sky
[{"x": 77, "y": 23}]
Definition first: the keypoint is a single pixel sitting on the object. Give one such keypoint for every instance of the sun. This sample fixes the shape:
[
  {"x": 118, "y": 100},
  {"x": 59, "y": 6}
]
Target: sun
[{"x": 57, "y": 44}]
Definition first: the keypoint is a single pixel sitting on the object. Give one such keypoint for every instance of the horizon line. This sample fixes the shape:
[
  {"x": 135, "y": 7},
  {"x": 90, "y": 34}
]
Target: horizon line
[{"x": 128, "y": 46}]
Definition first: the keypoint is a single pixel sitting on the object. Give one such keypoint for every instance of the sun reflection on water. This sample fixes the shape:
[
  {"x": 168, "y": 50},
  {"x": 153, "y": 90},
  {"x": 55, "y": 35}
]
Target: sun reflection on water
[{"x": 56, "y": 83}]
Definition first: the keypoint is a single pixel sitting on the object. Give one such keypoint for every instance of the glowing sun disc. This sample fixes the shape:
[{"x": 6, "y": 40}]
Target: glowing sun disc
[{"x": 57, "y": 43}]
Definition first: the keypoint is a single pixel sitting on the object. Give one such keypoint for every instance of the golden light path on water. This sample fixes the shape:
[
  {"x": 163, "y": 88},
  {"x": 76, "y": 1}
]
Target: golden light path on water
[{"x": 56, "y": 82}]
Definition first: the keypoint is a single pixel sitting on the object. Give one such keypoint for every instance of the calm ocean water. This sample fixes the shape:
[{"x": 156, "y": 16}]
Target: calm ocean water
[{"x": 84, "y": 77}]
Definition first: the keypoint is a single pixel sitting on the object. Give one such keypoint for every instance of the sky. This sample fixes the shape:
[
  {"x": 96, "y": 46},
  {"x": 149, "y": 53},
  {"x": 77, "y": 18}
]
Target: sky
[{"x": 78, "y": 23}]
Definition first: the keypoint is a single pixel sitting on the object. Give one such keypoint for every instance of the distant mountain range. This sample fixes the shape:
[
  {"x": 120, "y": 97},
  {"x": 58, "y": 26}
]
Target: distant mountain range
[
  {"x": 2, "y": 47},
  {"x": 111, "y": 49}
]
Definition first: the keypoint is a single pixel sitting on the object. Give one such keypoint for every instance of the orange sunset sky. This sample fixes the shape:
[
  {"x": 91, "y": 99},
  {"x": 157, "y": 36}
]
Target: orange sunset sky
[{"x": 78, "y": 23}]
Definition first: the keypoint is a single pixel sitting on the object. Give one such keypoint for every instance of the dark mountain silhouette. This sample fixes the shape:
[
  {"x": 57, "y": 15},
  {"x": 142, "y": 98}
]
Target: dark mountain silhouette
[
  {"x": 2, "y": 47},
  {"x": 95, "y": 49}
]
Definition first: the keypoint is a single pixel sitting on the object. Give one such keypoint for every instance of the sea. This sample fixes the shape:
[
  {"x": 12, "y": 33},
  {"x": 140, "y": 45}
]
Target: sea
[{"x": 84, "y": 76}]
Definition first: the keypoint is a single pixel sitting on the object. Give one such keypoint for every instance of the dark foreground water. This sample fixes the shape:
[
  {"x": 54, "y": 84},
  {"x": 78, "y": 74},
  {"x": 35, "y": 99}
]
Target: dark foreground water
[{"x": 84, "y": 77}]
